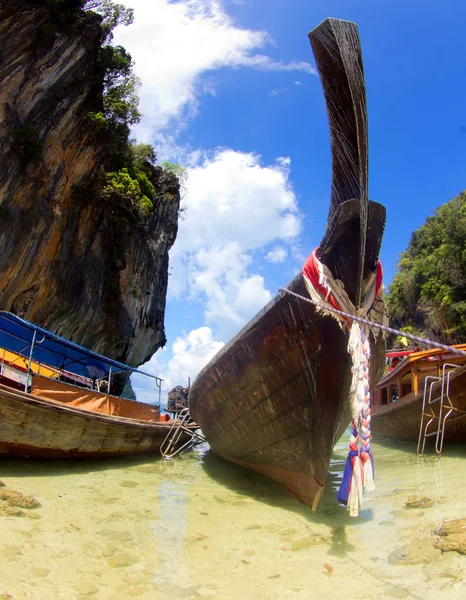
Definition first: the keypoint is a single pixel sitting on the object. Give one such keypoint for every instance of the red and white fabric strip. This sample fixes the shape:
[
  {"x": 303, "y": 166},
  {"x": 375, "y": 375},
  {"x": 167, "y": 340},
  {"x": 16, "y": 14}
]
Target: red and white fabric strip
[{"x": 324, "y": 290}]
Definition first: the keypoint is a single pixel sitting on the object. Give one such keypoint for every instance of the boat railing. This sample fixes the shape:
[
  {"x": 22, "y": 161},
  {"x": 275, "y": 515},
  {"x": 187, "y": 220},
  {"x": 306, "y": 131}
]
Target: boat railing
[
  {"x": 445, "y": 408},
  {"x": 182, "y": 424},
  {"x": 15, "y": 377}
]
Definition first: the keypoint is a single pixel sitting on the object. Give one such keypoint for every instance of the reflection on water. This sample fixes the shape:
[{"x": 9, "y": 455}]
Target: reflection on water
[
  {"x": 201, "y": 527},
  {"x": 170, "y": 532}
]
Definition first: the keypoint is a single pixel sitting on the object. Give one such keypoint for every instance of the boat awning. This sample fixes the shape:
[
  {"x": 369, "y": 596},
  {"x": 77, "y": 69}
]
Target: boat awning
[{"x": 17, "y": 335}]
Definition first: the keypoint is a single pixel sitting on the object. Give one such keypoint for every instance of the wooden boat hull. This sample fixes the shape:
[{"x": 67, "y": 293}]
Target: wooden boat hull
[
  {"x": 401, "y": 420},
  {"x": 274, "y": 399},
  {"x": 35, "y": 428}
]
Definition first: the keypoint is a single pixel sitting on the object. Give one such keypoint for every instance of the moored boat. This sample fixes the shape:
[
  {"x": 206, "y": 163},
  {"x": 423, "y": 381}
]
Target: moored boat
[
  {"x": 278, "y": 396},
  {"x": 423, "y": 398},
  {"x": 56, "y": 400}
]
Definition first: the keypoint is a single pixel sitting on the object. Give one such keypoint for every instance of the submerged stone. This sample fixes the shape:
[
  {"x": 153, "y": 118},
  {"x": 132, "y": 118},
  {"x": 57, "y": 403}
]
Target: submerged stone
[
  {"x": 109, "y": 550},
  {"x": 286, "y": 535},
  {"x": 416, "y": 553},
  {"x": 15, "y": 498},
  {"x": 123, "y": 559},
  {"x": 40, "y": 572},
  {"x": 32, "y": 515},
  {"x": 118, "y": 536},
  {"x": 6, "y": 510},
  {"x": 86, "y": 588},
  {"x": 9, "y": 551},
  {"x": 396, "y": 592},
  {"x": 452, "y": 536},
  {"x": 173, "y": 590},
  {"x": 444, "y": 567},
  {"x": 419, "y": 502},
  {"x": 220, "y": 499},
  {"x": 305, "y": 542}
]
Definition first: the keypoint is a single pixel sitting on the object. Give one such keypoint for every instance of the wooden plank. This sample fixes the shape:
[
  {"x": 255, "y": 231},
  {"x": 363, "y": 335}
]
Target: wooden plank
[{"x": 415, "y": 379}]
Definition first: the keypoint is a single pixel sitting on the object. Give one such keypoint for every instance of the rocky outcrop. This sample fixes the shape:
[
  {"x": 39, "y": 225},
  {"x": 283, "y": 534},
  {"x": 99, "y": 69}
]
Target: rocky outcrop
[
  {"x": 451, "y": 536},
  {"x": 178, "y": 398},
  {"x": 67, "y": 261}
]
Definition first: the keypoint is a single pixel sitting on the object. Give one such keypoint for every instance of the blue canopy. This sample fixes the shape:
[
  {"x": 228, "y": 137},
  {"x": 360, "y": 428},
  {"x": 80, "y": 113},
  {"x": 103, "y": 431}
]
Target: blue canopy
[{"x": 17, "y": 335}]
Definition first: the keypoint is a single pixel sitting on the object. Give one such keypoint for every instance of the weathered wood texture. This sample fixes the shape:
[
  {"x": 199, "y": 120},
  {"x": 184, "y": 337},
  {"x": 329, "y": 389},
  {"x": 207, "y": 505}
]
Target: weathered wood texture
[
  {"x": 32, "y": 427},
  {"x": 276, "y": 398},
  {"x": 401, "y": 420}
]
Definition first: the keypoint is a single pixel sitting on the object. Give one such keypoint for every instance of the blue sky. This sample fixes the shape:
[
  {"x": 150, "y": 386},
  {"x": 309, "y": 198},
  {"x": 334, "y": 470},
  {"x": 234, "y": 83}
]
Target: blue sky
[{"x": 229, "y": 91}]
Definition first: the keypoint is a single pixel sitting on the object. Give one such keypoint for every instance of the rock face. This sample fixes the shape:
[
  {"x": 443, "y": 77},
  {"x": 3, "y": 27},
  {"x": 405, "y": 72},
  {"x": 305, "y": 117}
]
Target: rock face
[
  {"x": 66, "y": 262},
  {"x": 178, "y": 398}
]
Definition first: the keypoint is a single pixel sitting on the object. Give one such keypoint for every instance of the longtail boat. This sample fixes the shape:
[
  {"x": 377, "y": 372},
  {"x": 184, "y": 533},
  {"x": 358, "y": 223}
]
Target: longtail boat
[
  {"x": 423, "y": 399},
  {"x": 56, "y": 401},
  {"x": 279, "y": 395}
]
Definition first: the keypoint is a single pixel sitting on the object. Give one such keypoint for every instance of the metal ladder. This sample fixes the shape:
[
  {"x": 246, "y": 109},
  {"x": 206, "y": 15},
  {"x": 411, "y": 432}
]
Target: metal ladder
[
  {"x": 445, "y": 409},
  {"x": 180, "y": 425}
]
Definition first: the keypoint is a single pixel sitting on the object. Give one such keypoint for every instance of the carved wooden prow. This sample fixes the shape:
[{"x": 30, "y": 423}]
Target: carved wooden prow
[{"x": 352, "y": 239}]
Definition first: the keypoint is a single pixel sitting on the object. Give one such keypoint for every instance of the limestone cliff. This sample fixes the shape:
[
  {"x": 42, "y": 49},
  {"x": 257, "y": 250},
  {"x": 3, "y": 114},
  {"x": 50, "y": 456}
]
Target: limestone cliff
[{"x": 66, "y": 260}]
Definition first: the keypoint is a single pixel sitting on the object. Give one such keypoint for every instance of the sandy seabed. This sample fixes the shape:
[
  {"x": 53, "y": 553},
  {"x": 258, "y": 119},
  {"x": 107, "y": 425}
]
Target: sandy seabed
[{"x": 199, "y": 527}]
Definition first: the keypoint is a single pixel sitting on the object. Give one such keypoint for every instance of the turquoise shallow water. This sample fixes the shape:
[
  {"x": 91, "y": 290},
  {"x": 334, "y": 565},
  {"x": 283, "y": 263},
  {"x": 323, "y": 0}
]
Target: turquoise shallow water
[{"x": 200, "y": 527}]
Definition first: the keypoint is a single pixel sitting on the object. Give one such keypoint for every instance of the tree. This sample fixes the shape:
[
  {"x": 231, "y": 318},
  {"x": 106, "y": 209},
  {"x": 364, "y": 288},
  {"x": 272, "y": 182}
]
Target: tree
[
  {"x": 180, "y": 173},
  {"x": 128, "y": 182},
  {"x": 428, "y": 292},
  {"x": 112, "y": 15},
  {"x": 125, "y": 191}
]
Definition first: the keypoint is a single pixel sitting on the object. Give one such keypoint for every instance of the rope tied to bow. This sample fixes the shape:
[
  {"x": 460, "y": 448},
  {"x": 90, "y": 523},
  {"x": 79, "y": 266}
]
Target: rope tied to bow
[{"x": 326, "y": 291}]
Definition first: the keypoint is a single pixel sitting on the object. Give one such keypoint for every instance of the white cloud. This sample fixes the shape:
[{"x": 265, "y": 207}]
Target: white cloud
[
  {"x": 277, "y": 255},
  {"x": 232, "y": 197},
  {"x": 231, "y": 295},
  {"x": 174, "y": 44},
  {"x": 234, "y": 207},
  {"x": 284, "y": 161},
  {"x": 278, "y": 91},
  {"x": 190, "y": 353}
]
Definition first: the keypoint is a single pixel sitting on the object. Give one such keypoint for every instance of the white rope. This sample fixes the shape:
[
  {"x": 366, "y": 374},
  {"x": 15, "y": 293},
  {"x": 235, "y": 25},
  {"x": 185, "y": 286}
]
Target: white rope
[{"x": 377, "y": 325}]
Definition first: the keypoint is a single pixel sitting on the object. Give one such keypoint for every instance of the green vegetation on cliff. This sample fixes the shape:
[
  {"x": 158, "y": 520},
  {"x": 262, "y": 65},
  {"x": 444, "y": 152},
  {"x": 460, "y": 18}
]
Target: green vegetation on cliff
[
  {"x": 127, "y": 181},
  {"x": 428, "y": 292},
  {"x": 131, "y": 187}
]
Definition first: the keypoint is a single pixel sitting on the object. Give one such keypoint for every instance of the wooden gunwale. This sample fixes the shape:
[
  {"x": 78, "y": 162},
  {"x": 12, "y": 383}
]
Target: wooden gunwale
[
  {"x": 39, "y": 428},
  {"x": 409, "y": 370},
  {"x": 54, "y": 405},
  {"x": 400, "y": 420}
]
